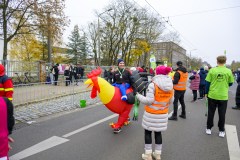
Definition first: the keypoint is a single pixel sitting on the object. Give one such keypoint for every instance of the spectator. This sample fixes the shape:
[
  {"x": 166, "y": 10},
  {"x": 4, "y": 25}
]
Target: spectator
[
  {"x": 71, "y": 73},
  {"x": 155, "y": 119},
  {"x": 6, "y": 126},
  {"x": 82, "y": 73},
  {"x": 110, "y": 75},
  {"x": 217, "y": 85},
  {"x": 237, "y": 98},
  {"x": 142, "y": 69},
  {"x": 203, "y": 76},
  {"x": 206, "y": 69},
  {"x": 151, "y": 71},
  {"x": 76, "y": 73},
  {"x": 6, "y": 85},
  {"x": 146, "y": 69},
  {"x": 51, "y": 74},
  {"x": 67, "y": 74},
  {"x": 179, "y": 85},
  {"x": 195, "y": 81},
  {"x": 133, "y": 69},
  {"x": 55, "y": 73}
]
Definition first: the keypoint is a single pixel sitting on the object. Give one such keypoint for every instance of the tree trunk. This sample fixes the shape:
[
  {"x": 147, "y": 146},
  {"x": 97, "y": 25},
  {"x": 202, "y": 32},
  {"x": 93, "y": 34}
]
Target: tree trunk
[{"x": 5, "y": 37}]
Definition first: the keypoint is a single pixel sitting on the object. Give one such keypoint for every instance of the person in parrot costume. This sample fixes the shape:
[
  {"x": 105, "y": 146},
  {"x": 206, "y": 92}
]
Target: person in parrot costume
[{"x": 114, "y": 94}]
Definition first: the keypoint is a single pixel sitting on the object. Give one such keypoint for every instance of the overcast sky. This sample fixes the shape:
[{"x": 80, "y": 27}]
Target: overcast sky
[{"x": 210, "y": 33}]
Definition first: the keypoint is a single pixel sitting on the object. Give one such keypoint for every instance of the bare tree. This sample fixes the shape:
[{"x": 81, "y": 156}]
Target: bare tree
[{"x": 31, "y": 14}]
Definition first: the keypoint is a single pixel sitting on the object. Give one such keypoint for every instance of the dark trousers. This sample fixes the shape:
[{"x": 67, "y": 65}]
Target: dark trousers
[
  {"x": 56, "y": 79},
  {"x": 222, "y": 107},
  {"x": 179, "y": 95},
  {"x": 202, "y": 90},
  {"x": 194, "y": 92},
  {"x": 70, "y": 78},
  {"x": 81, "y": 78},
  {"x": 148, "y": 137},
  {"x": 67, "y": 81},
  {"x": 237, "y": 98}
]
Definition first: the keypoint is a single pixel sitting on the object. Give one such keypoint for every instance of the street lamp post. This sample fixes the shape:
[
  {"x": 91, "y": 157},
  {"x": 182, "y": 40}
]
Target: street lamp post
[
  {"x": 99, "y": 57},
  {"x": 190, "y": 57}
]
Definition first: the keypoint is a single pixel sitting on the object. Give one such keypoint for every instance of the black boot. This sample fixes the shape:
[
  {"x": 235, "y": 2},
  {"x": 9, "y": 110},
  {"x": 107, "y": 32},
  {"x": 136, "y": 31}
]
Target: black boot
[
  {"x": 173, "y": 117},
  {"x": 236, "y": 107},
  {"x": 182, "y": 116}
]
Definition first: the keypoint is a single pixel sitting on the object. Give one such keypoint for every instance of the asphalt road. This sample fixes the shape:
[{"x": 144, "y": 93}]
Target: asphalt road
[{"x": 184, "y": 139}]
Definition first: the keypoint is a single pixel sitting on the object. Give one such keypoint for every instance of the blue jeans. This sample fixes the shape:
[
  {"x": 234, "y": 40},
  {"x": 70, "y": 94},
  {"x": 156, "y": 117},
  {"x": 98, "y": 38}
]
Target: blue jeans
[
  {"x": 122, "y": 87},
  {"x": 81, "y": 78}
]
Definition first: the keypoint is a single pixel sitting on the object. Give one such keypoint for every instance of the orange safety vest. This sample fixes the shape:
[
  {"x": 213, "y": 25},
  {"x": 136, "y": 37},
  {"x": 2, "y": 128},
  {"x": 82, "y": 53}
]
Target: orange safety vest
[
  {"x": 182, "y": 83},
  {"x": 161, "y": 102}
]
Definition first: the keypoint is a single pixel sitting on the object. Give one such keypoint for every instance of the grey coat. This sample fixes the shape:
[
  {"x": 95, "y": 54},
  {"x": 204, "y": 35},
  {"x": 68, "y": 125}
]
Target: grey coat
[{"x": 156, "y": 122}]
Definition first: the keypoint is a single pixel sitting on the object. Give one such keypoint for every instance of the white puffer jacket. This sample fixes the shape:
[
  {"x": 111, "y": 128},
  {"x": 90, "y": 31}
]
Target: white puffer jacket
[{"x": 156, "y": 122}]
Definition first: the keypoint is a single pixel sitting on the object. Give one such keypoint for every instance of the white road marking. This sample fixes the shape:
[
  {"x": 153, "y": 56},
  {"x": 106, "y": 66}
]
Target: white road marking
[
  {"x": 170, "y": 114},
  {"x": 89, "y": 126},
  {"x": 232, "y": 141},
  {"x": 44, "y": 145}
]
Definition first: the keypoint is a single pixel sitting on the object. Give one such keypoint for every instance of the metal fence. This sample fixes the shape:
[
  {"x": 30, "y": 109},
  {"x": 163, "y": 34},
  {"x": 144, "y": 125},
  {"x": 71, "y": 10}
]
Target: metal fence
[
  {"x": 21, "y": 67},
  {"x": 41, "y": 99}
]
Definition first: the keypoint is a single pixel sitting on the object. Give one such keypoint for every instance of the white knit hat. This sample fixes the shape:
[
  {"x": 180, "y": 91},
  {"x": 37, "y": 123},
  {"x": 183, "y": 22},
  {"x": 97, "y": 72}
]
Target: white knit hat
[{"x": 205, "y": 68}]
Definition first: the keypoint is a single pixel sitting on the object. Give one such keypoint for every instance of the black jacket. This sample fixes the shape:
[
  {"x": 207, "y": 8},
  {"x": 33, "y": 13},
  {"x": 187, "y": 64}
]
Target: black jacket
[
  {"x": 55, "y": 67},
  {"x": 82, "y": 71},
  {"x": 66, "y": 73},
  {"x": 10, "y": 118},
  {"x": 238, "y": 95},
  {"x": 177, "y": 74},
  {"x": 127, "y": 78},
  {"x": 110, "y": 75}
]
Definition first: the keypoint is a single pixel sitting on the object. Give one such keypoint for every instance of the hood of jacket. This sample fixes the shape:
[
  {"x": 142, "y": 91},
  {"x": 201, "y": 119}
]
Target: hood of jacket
[
  {"x": 183, "y": 69},
  {"x": 164, "y": 82},
  {"x": 2, "y": 69},
  {"x": 202, "y": 71}
]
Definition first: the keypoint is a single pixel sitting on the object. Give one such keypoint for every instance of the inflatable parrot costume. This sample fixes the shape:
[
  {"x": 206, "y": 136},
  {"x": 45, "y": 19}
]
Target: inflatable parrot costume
[{"x": 110, "y": 96}]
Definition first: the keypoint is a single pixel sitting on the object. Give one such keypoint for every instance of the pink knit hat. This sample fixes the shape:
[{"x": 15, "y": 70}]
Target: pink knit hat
[{"x": 163, "y": 70}]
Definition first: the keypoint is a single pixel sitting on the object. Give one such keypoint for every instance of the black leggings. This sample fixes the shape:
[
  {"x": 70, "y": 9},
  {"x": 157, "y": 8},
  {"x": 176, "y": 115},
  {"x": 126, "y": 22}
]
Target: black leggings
[
  {"x": 194, "y": 95},
  {"x": 148, "y": 137}
]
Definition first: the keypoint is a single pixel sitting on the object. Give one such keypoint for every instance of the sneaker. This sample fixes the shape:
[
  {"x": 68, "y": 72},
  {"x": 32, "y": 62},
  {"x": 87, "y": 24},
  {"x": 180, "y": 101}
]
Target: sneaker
[
  {"x": 221, "y": 134},
  {"x": 193, "y": 101},
  {"x": 200, "y": 98},
  {"x": 208, "y": 131},
  {"x": 117, "y": 130},
  {"x": 236, "y": 107}
]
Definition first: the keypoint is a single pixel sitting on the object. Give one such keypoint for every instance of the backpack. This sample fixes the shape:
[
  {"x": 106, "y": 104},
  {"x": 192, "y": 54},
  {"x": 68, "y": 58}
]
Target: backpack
[{"x": 53, "y": 71}]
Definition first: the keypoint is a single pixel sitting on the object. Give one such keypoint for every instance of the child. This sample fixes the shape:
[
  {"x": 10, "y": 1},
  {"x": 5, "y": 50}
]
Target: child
[
  {"x": 195, "y": 81},
  {"x": 155, "y": 118}
]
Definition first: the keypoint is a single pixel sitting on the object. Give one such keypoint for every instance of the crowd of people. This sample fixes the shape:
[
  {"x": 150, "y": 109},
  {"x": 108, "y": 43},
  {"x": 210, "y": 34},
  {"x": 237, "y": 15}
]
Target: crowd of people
[
  {"x": 71, "y": 73},
  {"x": 167, "y": 87}
]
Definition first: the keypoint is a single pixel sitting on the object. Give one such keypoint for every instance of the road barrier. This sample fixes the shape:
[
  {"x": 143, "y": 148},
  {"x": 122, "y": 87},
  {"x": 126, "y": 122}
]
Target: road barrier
[{"x": 35, "y": 100}]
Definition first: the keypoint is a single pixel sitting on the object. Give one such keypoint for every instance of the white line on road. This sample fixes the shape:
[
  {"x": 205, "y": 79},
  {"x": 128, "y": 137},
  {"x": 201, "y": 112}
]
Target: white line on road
[
  {"x": 232, "y": 141},
  {"x": 89, "y": 126},
  {"x": 170, "y": 114},
  {"x": 44, "y": 145}
]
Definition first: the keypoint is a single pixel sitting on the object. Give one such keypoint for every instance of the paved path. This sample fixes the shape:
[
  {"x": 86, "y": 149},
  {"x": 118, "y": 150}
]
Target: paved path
[{"x": 91, "y": 136}]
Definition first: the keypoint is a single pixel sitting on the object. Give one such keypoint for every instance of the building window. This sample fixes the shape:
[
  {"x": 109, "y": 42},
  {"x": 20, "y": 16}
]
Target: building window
[
  {"x": 159, "y": 51},
  {"x": 164, "y": 52},
  {"x": 164, "y": 44},
  {"x": 159, "y": 59}
]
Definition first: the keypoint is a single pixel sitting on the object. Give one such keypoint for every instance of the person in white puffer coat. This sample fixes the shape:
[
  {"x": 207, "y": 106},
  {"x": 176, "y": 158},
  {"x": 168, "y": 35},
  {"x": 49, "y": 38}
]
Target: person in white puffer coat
[{"x": 155, "y": 118}]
